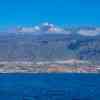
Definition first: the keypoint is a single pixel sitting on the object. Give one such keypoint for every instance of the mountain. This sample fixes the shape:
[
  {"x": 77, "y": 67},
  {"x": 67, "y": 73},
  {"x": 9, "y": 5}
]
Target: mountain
[{"x": 48, "y": 42}]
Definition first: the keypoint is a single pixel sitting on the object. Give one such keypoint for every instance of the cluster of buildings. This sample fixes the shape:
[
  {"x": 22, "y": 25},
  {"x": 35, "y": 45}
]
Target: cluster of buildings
[{"x": 46, "y": 68}]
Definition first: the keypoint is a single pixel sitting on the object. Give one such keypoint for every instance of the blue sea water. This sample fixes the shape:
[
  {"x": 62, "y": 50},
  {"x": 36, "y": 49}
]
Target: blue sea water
[{"x": 50, "y": 86}]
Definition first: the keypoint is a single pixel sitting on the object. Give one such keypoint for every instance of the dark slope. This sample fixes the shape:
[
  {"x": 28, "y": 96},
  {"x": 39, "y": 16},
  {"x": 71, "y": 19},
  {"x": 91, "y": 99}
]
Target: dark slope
[{"x": 30, "y": 47}]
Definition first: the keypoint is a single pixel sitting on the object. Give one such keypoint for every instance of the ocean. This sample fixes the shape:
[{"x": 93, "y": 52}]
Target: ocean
[{"x": 55, "y": 86}]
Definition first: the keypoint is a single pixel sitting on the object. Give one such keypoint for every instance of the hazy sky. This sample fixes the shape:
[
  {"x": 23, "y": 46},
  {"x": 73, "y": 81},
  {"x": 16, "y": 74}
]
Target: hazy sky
[{"x": 28, "y": 12}]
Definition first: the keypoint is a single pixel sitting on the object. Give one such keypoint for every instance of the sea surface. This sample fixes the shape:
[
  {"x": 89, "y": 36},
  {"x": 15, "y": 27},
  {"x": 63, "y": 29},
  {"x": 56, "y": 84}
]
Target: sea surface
[{"x": 50, "y": 86}]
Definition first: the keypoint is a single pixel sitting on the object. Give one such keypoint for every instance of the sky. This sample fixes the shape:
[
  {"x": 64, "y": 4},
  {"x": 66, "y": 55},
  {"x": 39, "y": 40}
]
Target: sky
[{"x": 60, "y": 12}]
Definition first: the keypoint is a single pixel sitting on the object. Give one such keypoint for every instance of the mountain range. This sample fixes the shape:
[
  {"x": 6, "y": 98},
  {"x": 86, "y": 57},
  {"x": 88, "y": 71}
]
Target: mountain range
[{"x": 48, "y": 42}]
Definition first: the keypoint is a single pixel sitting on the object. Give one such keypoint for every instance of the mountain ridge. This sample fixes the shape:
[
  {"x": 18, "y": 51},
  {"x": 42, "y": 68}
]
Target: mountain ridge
[{"x": 49, "y": 47}]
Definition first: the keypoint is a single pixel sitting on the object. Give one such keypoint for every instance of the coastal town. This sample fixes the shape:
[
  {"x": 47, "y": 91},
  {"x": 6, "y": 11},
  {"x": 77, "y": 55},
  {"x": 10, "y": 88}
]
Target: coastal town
[{"x": 47, "y": 67}]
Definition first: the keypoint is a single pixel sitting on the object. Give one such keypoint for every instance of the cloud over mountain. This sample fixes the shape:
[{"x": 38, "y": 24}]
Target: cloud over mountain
[{"x": 51, "y": 28}]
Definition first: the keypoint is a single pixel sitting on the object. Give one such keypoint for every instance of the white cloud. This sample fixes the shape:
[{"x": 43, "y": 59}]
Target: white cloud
[
  {"x": 89, "y": 32},
  {"x": 36, "y": 28}
]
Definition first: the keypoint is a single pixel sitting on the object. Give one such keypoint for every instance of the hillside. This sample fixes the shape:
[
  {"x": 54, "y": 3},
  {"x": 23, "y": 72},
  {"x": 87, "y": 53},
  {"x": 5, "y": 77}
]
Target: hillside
[{"x": 30, "y": 47}]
